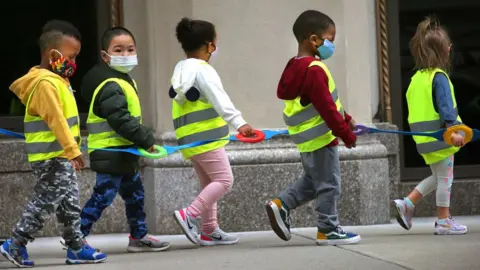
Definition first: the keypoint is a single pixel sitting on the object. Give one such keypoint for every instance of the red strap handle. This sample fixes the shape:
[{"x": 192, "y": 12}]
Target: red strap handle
[{"x": 259, "y": 136}]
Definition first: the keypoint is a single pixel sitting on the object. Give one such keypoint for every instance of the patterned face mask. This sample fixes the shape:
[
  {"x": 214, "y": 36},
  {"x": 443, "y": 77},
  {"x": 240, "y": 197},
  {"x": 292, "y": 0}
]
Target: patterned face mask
[{"x": 63, "y": 66}]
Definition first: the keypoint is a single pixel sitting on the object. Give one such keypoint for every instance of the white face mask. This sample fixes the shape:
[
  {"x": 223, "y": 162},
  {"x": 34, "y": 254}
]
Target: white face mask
[
  {"x": 123, "y": 64},
  {"x": 213, "y": 56}
]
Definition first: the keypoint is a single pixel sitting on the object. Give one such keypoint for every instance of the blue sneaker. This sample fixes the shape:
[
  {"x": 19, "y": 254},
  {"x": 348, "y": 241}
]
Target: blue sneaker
[
  {"x": 86, "y": 254},
  {"x": 337, "y": 237},
  {"x": 16, "y": 254}
]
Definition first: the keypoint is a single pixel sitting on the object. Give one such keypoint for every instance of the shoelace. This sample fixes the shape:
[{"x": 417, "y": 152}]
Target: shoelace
[{"x": 85, "y": 246}]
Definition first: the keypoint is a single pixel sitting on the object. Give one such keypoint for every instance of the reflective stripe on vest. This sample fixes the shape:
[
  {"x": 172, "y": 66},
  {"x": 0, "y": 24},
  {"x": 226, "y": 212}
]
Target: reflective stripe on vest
[
  {"x": 45, "y": 147},
  {"x": 305, "y": 125},
  {"x": 40, "y": 142},
  {"x": 211, "y": 134},
  {"x": 423, "y": 117},
  {"x": 41, "y": 125},
  {"x": 194, "y": 117},
  {"x": 100, "y": 127},
  {"x": 100, "y": 133}
]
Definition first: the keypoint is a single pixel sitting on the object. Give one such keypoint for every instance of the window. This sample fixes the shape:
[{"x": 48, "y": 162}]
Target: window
[
  {"x": 23, "y": 21},
  {"x": 461, "y": 19}
]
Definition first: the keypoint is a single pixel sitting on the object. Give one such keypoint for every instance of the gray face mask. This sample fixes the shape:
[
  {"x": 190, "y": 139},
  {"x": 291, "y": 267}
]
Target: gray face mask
[{"x": 123, "y": 64}]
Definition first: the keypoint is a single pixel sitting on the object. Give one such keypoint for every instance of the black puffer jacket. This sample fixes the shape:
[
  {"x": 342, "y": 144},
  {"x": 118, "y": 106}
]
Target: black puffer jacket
[{"x": 111, "y": 104}]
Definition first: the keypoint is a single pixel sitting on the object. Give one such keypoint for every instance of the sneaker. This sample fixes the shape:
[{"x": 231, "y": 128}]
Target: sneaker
[
  {"x": 188, "y": 224},
  {"x": 279, "y": 218},
  {"x": 450, "y": 227},
  {"x": 16, "y": 254},
  {"x": 337, "y": 237},
  {"x": 404, "y": 214},
  {"x": 146, "y": 244},
  {"x": 217, "y": 237},
  {"x": 86, "y": 254}
]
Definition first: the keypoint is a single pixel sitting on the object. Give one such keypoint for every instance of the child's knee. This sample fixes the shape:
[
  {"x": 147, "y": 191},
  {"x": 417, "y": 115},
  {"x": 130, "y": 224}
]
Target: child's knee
[{"x": 227, "y": 183}]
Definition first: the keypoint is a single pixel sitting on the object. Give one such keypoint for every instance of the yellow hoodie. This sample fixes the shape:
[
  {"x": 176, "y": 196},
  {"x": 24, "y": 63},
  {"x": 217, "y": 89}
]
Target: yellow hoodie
[{"x": 46, "y": 103}]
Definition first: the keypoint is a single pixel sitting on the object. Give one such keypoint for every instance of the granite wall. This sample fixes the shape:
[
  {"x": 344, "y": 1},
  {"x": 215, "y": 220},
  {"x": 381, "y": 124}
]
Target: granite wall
[{"x": 370, "y": 179}]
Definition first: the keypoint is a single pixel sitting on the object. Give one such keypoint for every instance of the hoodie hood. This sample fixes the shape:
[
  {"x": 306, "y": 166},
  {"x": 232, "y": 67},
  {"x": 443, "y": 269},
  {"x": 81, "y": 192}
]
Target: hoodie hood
[
  {"x": 184, "y": 76},
  {"x": 96, "y": 76},
  {"x": 24, "y": 86},
  {"x": 293, "y": 77}
]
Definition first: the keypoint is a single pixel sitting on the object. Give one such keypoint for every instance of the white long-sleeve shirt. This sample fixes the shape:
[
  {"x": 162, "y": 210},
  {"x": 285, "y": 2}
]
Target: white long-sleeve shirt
[{"x": 197, "y": 73}]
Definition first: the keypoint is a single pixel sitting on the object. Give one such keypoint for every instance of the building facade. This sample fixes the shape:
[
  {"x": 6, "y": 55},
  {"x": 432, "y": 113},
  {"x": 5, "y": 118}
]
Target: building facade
[{"x": 255, "y": 43}]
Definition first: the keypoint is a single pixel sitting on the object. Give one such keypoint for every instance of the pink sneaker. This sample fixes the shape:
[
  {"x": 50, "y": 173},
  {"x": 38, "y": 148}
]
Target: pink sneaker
[
  {"x": 188, "y": 224},
  {"x": 450, "y": 227}
]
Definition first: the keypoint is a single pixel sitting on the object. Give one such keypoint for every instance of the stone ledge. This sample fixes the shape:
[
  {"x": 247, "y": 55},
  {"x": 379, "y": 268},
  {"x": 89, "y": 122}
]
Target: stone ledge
[{"x": 261, "y": 171}]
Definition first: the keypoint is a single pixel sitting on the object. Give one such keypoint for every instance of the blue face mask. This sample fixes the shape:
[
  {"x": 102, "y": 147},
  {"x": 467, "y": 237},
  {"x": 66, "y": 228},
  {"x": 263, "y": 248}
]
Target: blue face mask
[{"x": 326, "y": 50}]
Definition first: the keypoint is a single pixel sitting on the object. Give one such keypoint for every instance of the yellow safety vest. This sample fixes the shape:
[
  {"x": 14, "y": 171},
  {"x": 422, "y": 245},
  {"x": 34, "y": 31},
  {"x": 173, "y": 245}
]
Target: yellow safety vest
[
  {"x": 305, "y": 125},
  {"x": 198, "y": 121},
  {"x": 422, "y": 116},
  {"x": 100, "y": 134},
  {"x": 40, "y": 142}
]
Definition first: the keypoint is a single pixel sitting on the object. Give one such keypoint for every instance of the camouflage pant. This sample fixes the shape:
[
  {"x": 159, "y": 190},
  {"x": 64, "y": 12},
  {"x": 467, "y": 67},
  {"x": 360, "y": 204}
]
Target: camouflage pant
[
  {"x": 57, "y": 192},
  {"x": 130, "y": 188}
]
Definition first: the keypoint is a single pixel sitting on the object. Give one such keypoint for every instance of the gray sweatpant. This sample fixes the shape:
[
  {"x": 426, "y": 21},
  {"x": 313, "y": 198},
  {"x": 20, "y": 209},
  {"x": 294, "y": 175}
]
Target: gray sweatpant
[
  {"x": 320, "y": 182},
  {"x": 57, "y": 192}
]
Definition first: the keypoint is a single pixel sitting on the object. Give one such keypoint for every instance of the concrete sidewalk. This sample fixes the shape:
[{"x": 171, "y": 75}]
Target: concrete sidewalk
[{"x": 383, "y": 247}]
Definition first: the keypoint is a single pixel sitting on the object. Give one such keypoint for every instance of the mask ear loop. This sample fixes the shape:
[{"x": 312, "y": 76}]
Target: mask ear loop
[{"x": 57, "y": 51}]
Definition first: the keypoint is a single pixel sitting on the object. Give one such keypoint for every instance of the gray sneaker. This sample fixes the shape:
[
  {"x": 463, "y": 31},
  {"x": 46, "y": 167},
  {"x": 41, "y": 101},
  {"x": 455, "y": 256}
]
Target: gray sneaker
[
  {"x": 217, "y": 237},
  {"x": 146, "y": 244}
]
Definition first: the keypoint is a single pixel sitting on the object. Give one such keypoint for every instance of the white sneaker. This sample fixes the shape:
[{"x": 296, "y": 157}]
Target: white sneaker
[{"x": 450, "y": 228}]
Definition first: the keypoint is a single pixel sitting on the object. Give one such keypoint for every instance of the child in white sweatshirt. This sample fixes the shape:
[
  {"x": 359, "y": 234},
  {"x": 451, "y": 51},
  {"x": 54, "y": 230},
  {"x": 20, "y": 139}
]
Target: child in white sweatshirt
[{"x": 202, "y": 110}]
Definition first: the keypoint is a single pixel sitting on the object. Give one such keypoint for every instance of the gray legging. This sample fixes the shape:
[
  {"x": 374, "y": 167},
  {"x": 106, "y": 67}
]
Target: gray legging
[{"x": 441, "y": 179}]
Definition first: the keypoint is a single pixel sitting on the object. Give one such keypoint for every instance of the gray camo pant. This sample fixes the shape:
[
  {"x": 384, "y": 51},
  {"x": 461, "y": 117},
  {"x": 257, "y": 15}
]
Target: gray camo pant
[
  {"x": 56, "y": 192},
  {"x": 320, "y": 182}
]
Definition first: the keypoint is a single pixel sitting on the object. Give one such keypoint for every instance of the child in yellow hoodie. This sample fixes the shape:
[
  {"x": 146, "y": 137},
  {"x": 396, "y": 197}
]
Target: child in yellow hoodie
[{"x": 52, "y": 133}]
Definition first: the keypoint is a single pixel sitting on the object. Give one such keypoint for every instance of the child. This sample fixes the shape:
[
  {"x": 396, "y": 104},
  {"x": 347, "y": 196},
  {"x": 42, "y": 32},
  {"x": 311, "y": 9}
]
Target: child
[
  {"x": 52, "y": 132},
  {"x": 115, "y": 121},
  {"x": 201, "y": 110},
  {"x": 432, "y": 106},
  {"x": 314, "y": 117}
]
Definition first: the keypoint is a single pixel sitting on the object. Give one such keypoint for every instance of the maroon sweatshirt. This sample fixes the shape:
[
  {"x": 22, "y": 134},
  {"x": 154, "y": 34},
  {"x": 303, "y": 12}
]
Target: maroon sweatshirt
[{"x": 311, "y": 84}]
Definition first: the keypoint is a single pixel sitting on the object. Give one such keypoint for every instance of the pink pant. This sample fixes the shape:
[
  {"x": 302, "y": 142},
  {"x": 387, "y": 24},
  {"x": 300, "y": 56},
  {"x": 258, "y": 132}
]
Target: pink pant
[{"x": 216, "y": 178}]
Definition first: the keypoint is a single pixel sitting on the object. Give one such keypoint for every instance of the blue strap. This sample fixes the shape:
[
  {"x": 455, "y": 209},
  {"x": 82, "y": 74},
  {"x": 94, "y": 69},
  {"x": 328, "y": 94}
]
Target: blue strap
[{"x": 169, "y": 148}]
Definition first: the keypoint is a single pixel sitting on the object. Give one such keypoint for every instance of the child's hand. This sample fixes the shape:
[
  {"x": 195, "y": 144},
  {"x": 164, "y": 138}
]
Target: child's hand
[
  {"x": 152, "y": 149},
  {"x": 350, "y": 146},
  {"x": 458, "y": 140},
  {"x": 78, "y": 163},
  {"x": 246, "y": 130},
  {"x": 352, "y": 125}
]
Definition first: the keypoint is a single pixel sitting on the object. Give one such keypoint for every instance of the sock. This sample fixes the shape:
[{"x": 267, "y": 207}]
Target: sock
[
  {"x": 442, "y": 221},
  {"x": 190, "y": 212},
  {"x": 409, "y": 203}
]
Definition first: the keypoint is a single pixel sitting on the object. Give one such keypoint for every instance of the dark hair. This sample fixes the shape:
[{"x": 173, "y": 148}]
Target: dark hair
[
  {"x": 311, "y": 22},
  {"x": 429, "y": 46},
  {"x": 193, "y": 34},
  {"x": 110, "y": 33},
  {"x": 54, "y": 30}
]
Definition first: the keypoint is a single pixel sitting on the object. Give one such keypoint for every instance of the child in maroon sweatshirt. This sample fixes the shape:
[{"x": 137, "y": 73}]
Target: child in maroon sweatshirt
[{"x": 315, "y": 118}]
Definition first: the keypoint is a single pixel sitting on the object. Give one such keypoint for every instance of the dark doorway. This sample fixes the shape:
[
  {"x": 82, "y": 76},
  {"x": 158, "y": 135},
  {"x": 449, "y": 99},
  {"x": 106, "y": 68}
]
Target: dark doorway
[
  {"x": 22, "y": 22},
  {"x": 461, "y": 19}
]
